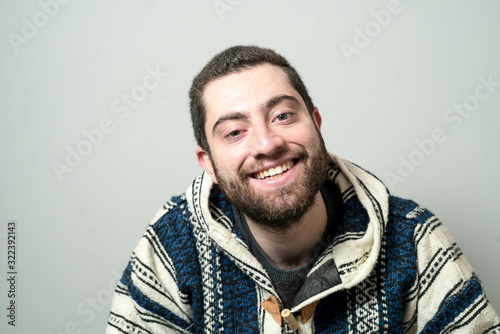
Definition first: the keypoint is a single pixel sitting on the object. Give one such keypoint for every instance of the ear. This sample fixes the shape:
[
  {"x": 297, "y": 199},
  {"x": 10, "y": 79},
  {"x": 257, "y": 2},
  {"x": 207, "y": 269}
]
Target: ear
[
  {"x": 205, "y": 163},
  {"x": 317, "y": 117}
]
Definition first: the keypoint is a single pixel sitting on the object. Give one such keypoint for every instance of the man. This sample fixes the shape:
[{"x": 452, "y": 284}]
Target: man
[{"x": 280, "y": 236}]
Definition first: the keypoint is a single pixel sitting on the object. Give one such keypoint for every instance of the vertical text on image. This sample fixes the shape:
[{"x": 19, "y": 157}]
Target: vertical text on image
[{"x": 12, "y": 276}]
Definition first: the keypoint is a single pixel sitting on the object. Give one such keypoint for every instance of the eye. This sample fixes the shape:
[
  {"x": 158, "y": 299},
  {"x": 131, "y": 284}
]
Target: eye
[
  {"x": 234, "y": 133},
  {"x": 283, "y": 117}
]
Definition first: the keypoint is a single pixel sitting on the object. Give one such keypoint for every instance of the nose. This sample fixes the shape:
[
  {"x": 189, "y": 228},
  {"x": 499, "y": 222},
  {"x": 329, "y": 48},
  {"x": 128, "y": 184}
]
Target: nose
[{"x": 265, "y": 141}]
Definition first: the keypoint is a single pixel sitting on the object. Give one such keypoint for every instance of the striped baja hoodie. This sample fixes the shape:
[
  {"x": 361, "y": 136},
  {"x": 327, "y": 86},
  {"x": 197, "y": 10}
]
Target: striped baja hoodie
[{"x": 390, "y": 267}]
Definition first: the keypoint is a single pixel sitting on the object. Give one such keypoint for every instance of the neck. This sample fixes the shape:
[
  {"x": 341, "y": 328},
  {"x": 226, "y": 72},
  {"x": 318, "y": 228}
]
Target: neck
[{"x": 293, "y": 247}]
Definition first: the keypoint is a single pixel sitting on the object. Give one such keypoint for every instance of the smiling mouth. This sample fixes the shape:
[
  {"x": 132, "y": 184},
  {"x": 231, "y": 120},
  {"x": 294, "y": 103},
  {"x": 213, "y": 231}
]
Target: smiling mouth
[{"x": 274, "y": 172}]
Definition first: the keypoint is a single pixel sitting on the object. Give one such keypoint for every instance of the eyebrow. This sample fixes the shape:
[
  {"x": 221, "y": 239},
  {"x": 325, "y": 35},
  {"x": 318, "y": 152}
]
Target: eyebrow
[
  {"x": 265, "y": 106},
  {"x": 229, "y": 117},
  {"x": 279, "y": 98}
]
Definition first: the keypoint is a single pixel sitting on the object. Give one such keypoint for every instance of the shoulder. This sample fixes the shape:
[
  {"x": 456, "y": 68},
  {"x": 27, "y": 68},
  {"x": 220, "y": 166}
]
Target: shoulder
[
  {"x": 170, "y": 233},
  {"x": 169, "y": 240},
  {"x": 408, "y": 218},
  {"x": 174, "y": 210},
  {"x": 426, "y": 230},
  {"x": 408, "y": 211},
  {"x": 172, "y": 223}
]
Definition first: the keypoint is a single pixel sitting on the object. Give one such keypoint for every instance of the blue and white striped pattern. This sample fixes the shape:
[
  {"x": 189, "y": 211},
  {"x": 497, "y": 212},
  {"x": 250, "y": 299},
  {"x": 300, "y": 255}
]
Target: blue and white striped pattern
[{"x": 400, "y": 269}]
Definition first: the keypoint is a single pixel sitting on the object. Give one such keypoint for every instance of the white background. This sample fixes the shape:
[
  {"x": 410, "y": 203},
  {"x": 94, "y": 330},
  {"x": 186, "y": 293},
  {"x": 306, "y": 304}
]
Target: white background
[{"x": 61, "y": 73}]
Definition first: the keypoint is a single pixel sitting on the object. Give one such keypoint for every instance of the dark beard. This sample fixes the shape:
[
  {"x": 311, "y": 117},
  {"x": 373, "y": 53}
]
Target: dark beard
[{"x": 280, "y": 213}]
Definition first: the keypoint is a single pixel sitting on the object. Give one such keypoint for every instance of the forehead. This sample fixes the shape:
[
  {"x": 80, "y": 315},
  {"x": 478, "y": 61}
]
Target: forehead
[{"x": 245, "y": 91}]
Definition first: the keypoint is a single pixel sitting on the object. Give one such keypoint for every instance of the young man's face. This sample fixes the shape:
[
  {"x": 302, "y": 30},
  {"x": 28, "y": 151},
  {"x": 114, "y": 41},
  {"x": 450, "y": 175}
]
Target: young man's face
[{"x": 267, "y": 154}]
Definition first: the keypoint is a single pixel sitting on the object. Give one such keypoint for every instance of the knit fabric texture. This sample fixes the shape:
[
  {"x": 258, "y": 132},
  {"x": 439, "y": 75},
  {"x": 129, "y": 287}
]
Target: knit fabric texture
[{"x": 400, "y": 271}]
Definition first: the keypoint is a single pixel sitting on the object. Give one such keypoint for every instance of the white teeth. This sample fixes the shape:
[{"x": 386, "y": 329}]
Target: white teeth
[{"x": 274, "y": 172}]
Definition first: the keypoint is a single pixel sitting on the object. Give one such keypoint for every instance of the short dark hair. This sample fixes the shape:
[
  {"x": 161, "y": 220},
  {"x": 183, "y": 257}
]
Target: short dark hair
[{"x": 236, "y": 59}]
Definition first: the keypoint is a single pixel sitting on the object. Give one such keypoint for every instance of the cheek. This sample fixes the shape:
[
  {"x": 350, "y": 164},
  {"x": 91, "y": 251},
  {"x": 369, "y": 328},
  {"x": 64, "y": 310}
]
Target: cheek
[
  {"x": 303, "y": 137},
  {"x": 228, "y": 159}
]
